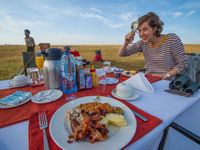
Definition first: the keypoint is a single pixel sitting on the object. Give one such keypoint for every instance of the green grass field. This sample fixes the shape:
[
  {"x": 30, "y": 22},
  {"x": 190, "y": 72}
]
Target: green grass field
[{"x": 11, "y": 62}]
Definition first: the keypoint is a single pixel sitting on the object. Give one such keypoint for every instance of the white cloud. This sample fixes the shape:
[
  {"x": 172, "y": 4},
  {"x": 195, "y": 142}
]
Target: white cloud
[
  {"x": 177, "y": 14},
  {"x": 10, "y": 23},
  {"x": 91, "y": 15},
  {"x": 126, "y": 16},
  {"x": 53, "y": 13},
  {"x": 191, "y": 4},
  {"x": 96, "y": 10},
  {"x": 190, "y": 13},
  {"x": 104, "y": 20}
]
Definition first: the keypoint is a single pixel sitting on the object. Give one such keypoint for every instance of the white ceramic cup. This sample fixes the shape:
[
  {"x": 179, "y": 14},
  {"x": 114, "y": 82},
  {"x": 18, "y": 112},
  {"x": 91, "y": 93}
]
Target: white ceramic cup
[
  {"x": 20, "y": 79},
  {"x": 124, "y": 90}
]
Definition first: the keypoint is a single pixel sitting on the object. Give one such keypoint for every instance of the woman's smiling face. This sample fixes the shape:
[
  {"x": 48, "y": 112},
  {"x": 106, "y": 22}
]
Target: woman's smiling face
[{"x": 146, "y": 32}]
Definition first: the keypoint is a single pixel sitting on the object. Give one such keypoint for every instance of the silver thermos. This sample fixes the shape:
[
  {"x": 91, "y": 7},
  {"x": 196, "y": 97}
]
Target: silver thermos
[{"x": 51, "y": 68}]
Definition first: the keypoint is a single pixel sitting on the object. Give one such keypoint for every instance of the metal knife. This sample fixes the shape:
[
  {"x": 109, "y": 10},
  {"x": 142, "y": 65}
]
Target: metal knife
[{"x": 140, "y": 116}]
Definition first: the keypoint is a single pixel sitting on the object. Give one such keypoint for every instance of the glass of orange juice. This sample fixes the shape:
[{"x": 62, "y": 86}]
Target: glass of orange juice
[{"x": 39, "y": 60}]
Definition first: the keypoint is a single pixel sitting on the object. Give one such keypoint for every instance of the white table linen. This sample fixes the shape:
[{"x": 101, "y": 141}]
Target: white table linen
[{"x": 160, "y": 104}]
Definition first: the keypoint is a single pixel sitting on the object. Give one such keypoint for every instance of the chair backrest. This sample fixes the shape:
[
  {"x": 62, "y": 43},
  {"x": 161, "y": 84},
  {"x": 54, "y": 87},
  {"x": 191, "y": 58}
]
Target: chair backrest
[{"x": 26, "y": 59}]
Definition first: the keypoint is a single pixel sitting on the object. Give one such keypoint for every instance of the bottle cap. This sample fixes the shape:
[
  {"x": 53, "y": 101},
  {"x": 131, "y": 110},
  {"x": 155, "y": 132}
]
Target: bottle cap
[{"x": 92, "y": 70}]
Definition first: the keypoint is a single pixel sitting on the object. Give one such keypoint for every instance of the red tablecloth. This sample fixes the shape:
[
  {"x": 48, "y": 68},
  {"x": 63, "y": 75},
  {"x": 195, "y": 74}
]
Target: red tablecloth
[{"x": 23, "y": 112}]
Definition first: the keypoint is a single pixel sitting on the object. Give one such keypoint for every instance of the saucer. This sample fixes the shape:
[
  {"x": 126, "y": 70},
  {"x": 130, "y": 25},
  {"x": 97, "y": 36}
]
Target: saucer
[{"x": 133, "y": 97}]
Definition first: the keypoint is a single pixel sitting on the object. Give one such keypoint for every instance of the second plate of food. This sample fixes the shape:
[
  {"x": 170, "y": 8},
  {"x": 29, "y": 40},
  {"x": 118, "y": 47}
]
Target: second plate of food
[{"x": 129, "y": 73}]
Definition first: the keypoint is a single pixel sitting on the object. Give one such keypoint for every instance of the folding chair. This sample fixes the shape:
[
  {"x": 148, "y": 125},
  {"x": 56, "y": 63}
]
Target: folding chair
[{"x": 28, "y": 60}]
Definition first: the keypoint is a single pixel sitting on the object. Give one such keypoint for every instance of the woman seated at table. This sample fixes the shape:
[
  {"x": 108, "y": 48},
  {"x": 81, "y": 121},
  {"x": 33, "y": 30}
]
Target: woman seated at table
[{"x": 164, "y": 54}]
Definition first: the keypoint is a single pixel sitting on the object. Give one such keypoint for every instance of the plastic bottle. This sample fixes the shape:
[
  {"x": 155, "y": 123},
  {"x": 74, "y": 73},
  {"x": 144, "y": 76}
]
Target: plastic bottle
[
  {"x": 93, "y": 76},
  {"x": 80, "y": 75},
  {"x": 88, "y": 76},
  {"x": 68, "y": 73}
]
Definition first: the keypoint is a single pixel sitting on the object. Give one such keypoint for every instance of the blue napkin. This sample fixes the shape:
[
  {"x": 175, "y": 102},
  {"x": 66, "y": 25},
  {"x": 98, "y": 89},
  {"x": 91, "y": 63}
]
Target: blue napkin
[{"x": 15, "y": 98}]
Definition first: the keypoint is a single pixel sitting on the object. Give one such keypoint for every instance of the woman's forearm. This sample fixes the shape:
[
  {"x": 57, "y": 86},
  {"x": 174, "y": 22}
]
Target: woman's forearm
[
  {"x": 122, "y": 49},
  {"x": 172, "y": 73},
  {"x": 128, "y": 38}
]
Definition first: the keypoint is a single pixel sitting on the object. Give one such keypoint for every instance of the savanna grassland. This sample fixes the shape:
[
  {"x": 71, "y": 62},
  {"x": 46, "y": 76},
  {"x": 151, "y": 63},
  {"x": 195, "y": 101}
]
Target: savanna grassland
[{"x": 11, "y": 61}]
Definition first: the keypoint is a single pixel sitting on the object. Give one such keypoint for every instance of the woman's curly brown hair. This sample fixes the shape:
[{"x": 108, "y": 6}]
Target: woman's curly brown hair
[{"x": 154, "y": 21}]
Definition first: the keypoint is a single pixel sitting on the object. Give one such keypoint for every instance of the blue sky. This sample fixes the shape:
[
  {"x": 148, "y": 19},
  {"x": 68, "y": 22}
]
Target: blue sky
[{"x": 93, "y": 22}]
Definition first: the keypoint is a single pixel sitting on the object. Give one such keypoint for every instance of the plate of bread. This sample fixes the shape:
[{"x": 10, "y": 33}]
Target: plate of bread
[{"x": 86, "y": 123}]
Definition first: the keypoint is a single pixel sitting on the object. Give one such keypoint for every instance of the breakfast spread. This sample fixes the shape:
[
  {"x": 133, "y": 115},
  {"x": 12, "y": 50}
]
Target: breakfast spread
[{"x": 90, "y": 121}]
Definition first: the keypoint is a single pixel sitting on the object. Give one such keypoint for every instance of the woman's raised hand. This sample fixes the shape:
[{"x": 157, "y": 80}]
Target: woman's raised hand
[{"x": 129, "y": 37}]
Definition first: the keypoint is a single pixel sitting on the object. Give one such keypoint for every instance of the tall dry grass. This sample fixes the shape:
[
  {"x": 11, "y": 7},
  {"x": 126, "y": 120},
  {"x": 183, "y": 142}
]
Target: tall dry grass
[{"x": 11, "y": 62}]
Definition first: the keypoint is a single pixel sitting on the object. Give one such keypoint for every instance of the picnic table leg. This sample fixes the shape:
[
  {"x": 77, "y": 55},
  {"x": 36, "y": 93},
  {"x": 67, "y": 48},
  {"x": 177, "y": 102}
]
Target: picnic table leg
[
  {"x": 180, "y": 129},
  {"x": 163, "y": 140}
]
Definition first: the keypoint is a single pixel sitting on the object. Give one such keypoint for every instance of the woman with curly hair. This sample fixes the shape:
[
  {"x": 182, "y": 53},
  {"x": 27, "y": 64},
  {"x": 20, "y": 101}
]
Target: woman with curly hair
[{"x": 164, "y": 53}]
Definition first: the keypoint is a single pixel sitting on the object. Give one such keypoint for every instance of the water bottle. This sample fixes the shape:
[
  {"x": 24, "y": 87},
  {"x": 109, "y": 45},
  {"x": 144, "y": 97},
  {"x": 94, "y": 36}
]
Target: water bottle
[{"x": 68, "y": 73}]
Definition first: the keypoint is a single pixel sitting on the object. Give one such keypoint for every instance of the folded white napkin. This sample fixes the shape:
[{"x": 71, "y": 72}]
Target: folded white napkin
[{"x": 140, "y": 82}]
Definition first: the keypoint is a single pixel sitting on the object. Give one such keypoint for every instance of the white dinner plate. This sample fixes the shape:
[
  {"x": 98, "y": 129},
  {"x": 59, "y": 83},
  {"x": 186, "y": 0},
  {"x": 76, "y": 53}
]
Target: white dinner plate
[
  {"x": 109, "y": 81},
  {"x": 117, "y": 137},
  {"x": 47, "y": 96},
  {"x": 135, "y": 96}
]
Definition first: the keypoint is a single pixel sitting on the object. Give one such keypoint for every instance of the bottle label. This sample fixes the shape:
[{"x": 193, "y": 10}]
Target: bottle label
[
  {"x": 88, "y": 82},
  {"x": 82, "y": 79},
  {"x": 67, "y": 84}
]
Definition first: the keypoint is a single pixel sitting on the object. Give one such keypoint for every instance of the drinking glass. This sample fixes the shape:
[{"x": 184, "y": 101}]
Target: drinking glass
[
  {"x": 106, "y": 66},
  {"x": 101, "y": 81},
  {"x": 39, "y": 60},
  {"x": 33, "y": 75},
  {"x": 72, "y": 83},
  {"x": 134, "y": 26},
  {"x": 72, "y": 95}
]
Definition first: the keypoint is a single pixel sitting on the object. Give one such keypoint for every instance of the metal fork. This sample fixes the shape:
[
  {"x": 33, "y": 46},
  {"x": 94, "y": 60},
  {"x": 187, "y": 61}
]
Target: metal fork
[{"x": 43, "y": 125}]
